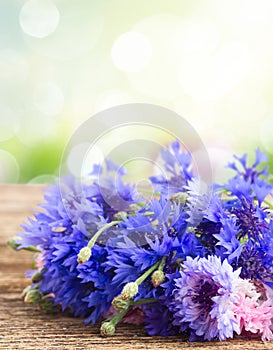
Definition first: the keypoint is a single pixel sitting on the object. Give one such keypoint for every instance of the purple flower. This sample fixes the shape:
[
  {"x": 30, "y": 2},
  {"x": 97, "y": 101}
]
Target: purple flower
[{"x": 203, "y": 298}]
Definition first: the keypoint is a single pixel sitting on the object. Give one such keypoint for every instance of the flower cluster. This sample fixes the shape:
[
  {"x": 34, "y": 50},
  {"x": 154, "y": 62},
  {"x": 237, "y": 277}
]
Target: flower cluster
[{"x": 185, "y": 261}]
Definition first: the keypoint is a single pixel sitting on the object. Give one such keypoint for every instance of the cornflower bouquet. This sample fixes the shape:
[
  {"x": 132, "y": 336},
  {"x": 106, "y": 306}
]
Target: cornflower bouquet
[{"x": 185, "y": 262}]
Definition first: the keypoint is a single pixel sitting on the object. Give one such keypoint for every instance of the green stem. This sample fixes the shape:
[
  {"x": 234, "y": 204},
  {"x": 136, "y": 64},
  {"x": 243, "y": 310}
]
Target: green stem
[
  {"x": 99, "y": 232},
  {"x": 32, "y": 249},
  {"x": 149, "y": 213},
  {"x": 116, "y": 319},
  {"x": 162, "y": 263},
  {"x": 147, "y": 273},
  {"x": 12, "y": 244},
  {"x": 144, "y": 301}
]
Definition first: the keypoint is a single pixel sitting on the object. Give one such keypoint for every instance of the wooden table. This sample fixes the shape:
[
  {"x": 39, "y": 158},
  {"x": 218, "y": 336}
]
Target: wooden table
[{"x": 24, "y": 327}]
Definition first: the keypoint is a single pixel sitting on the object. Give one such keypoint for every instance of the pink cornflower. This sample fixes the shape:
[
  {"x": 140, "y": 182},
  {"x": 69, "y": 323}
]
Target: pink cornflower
[{"x": 254, "y": 311}]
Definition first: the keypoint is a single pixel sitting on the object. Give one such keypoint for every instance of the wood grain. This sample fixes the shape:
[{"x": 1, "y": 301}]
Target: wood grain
[{"x": 25, "y": 327}]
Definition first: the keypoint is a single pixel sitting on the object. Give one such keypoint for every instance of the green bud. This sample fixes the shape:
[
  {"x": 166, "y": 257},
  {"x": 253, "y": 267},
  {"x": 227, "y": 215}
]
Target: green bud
[
  {"x": 121, "y": 215},
  {"x": 158, "y": 277},
  {"x": 24, "y": 292},
  {"x": 13, "y": 243},
  {"x": 84, "y": 255},
  {"x": 120, "y": 304},
  {"x": 37, "y": 277},
  {"x": 135, "y": 207},
  {"x": 107, "y": 328},
  {"x": 33, "y": 296},
  {"x": 129, "y": 290},
  {"x": 179, "y": 198},
  {"x": 47, "y": 304}
]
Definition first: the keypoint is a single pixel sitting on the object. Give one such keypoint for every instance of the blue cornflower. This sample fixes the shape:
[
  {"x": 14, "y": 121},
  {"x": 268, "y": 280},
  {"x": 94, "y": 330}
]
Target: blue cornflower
[
  {"x": 248, "y": 182},
  {"x": 202, "y": 298},
  {"x": 72, "y": 214},
  {"x": 158, "y": 320},
  {"x": 242, "y": 219},
  {"x": 142, "y": 241},
  {"x": 197, "y": 201},
  {"x": 178, "y": 165},
  {"x": 256, "y": 258},
  {"x": 244, "y": 237},
  {"x": 228, "y": 244}
]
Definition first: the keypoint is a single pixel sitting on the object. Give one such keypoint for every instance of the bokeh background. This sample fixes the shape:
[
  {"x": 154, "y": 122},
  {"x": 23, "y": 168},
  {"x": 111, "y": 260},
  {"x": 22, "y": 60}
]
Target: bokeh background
[{"x": 62, "y": 61}]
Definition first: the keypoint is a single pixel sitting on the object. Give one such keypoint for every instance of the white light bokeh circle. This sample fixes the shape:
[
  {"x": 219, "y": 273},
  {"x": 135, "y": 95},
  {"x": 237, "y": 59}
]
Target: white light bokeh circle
[
  {"x": 210, "y": 77},
  {"x": 131, "y": 52},
  {"x": 9, "y": 167},
  {"x": 49, "y": 99},
  {"x": 39, "y": 18},
  {"x": 76, "y": 33}
]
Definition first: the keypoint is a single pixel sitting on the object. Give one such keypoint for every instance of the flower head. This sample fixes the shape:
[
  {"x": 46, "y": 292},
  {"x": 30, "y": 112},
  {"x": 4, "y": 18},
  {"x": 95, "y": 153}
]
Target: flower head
[
  {"x": 203, "y": 297},
  {"x": 129, "y": 290},
  {"x": 253, "y": 310},
  {"x": 178, "y": 164},
  {"x": 71, "y": 217},
  {"x": 107, "y": 328}
]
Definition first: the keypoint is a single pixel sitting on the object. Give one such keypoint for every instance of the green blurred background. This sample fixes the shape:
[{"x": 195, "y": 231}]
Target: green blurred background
[{"x": 62, "y": 61}]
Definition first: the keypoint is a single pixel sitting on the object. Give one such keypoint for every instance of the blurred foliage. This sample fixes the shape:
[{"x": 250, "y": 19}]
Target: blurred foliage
[
  {"x": 43, "y": 158},
  {"x": 63, "y": 61}
]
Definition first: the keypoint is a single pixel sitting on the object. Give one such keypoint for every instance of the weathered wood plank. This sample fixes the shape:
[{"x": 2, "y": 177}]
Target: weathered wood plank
[
  {"x": 26, "y": 327},
  {"x": 16, "y": 203}
]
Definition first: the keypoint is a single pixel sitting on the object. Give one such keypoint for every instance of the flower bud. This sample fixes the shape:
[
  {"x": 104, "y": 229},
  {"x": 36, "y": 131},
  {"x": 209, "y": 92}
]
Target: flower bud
[
  {"x": 120, "y": 304},
  {"x": 107, "y": 328},
  {"x": 47, "y": 304},
  {"x": 179, "y": 198},
  {"x": 121, "y": 215},
  {"x": 25, "y": 291},
  {"x": 135, "y": 207},
  {"x": 37, "y": 277},
  {"x": 33, "y": 296},
  {"x": 158, "y": 277},
  {"x": 13, "y": 243},
  {"x": 129, "y": 290},
  {"x": 84, "y": 255}
]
